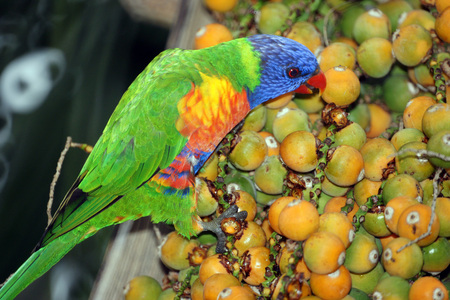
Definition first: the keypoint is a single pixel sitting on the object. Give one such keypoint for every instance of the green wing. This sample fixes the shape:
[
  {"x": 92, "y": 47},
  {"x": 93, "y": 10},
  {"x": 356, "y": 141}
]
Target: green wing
[{"x": 139, "y": 139}]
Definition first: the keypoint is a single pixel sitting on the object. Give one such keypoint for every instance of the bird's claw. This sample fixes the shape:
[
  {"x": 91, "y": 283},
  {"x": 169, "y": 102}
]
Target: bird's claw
[{"x": 216, "y": 225}]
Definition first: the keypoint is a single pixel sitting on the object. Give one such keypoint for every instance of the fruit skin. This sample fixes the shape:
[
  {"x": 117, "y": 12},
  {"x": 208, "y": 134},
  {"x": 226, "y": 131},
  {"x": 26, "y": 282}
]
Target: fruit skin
[
  {"x": 345, "y": 167},
  {"x": 372, "y": 23},
  {"x": 377, "y": 154},
  {"x": 408, "y": 163},
  {"x": 298, "y": 151},
  {"x": 323, "y": 252},
  {"x": 406, "y": 263},
  {"x": 362, "y": 255},
  {"x": 216, "y": 283},
  {"x": 436, "y": 118},
  {"x": 142, "y": 288},
  {"x": 440, "y": 143},
  {"x": 249, "y": 152},
  {"x": 436, "y": 256},
  {"x": 443, "y": 25},
  {"x": 343, "y": 86},
  {"x": 298, "y": 220},
  {"x": 270, "y": 174},
  {"x": 272, "y": 17},
  {"x": 211, "y": 35},
  {"x": 375, "y": 57},
  {"x": 174, "y": 251},
  {"x": 414, "y": 221},
  {"x": 428, "y": 287},
  {"x": 332, "y": 286},
  {"x": 410, "y": 44},
  {"x": 221, "y": 5},
  {"x": 392, "y": 287},
  {"x": 366, "y": 282}
]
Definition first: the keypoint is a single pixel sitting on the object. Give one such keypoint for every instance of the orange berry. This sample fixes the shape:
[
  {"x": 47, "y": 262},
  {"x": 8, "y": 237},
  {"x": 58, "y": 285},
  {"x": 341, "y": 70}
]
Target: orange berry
[
  {"x": 443, "y": 25},
  {"x": 406, "y": 263},
  {"x": 413, "y": 222},
  {"x": 441, "y": 5},
  {"x": 250, "y": 152},
  {"x": 221, "y": 5},
  {"x": 211, "y": 35},
  {"x": 345, "y": 167},
  {"x": 442, "y": 209},
  {"x": 275, "y": 210},
  {"x": 252, "y": 236},
  {"x": 379, "y": 120},
  {"x": 142, "y": 287},
  {"x": 216, "y": 283},
  {"x": 343, "y": 86},
  {"x": 395, "y": 208},
  {"x": 254, "y": 263},
  {"x": 428, "y": 287},
  {"x": 418, "y": 16},
  {"x": 364, "y": 189},
  {"x": 214, "y": 264},
  {"x": 339, "y": 224},
  {"x": 410, "y": 44},
  {"x": 298, "y": 220},
  {"x": 414, "y": 111},
  {"x": 175, "y": 249},
  {"x": 378, "y": 154},
  {"x": 337, "y": 54},
  {"x": 375, "y": 57},
  {"x": 236, "y": 293},
  {"x": 336, "y": 204},
  {"x": 298, "y": 151},
  {"x": 323, "y": 252},
  {"x": 333, "y": 286},
  {"x": 279, "y": 101}
]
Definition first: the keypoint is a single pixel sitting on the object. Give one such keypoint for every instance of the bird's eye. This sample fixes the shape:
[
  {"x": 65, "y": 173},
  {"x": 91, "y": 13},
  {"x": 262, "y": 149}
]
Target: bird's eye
[{"x": 294, "y": 72}]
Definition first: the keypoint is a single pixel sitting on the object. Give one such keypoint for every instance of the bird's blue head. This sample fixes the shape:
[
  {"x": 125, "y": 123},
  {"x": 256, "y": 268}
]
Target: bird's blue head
[{"x": 285, "y": 66}]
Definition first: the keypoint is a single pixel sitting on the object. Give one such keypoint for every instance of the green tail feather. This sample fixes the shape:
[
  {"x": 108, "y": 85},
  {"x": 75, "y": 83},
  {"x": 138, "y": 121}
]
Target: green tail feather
[{"x": 35, "y": 266}]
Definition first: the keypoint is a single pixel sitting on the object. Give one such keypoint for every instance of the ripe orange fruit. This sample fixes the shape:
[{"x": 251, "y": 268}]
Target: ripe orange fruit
[
  {"x": 343, "y": 86},
  {"x": 298, "y": 220},
  {"x": 255, "y": 261},
  {"x": 406, "y": 263},
  {"x": 211, "y": 35},
  {"x": 298, "y": 151},
  {"x": 275, "y": 210},
  {"x": 221, "y": 5},
  {"x": 323, "y": 252},
  {"x": 428, "y": 287},
  {"x": 413, "y": 222},
  {"x": 216, "y": 283},
  {"x": 443, "y": 25},
  {"x": 331, "y": 286}
]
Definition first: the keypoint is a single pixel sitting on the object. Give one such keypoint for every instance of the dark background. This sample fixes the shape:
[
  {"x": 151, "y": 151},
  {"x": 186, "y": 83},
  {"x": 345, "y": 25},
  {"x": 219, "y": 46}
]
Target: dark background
[{"x": 104, "y": 49}]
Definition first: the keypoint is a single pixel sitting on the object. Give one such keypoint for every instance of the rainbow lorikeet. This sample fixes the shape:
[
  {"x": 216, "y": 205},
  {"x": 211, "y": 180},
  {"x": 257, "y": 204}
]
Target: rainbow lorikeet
[{"x": 168, "y": 122}]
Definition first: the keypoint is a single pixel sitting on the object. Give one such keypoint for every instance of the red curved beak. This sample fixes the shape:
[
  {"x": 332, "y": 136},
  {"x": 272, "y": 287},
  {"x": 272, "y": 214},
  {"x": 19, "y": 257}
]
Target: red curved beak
[{"x": 316, "y": 83}]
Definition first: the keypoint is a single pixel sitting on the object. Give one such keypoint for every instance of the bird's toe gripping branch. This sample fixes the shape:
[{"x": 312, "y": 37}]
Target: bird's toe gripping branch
[{"x": 223, "y": 224}]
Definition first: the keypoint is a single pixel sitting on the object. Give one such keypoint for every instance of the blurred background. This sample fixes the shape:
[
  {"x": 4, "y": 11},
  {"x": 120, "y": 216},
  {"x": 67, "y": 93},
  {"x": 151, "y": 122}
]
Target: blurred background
[{"x": 64, "y": 65}]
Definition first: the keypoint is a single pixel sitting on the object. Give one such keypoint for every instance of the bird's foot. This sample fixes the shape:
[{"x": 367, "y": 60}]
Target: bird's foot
[{"x": 228, "y": 223}]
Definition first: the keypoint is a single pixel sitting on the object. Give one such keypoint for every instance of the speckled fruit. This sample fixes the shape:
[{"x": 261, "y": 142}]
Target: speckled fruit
[
  {"x": 270, "y": 174},
  {"x": 410, "y": 44},
  {"x": 372, "y": 23},
  {"x": 401, "y": 185},
  {"x": 323, "y": 252},
  {"x": 406, "y": 263},
  {"x": 405, "y": 136},
  {"x": 337, "y": 54},
  {"x": 375, "y": 57},
  {"x": 272, "y": 17},
  {"x": 378, "y": 155},
  {"x": 408, "y": 163},
  {"x": 249, "y": 152},
  {"x": 414, "y": 111},
  {"x": 362, "y": 255},
  {"x": 351, "y": 135},
  {"x": 298, "y": 151},
  {"x": 141, "y": 288},
  {"x": 391, "y": 288},
  {"x": 345, "y": 167},
  {"x": 436, "y": 118}
]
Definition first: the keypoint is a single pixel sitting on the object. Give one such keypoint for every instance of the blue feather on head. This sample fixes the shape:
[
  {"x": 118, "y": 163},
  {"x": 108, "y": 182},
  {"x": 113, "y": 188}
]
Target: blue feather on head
[{"x": 285, "y": 65}]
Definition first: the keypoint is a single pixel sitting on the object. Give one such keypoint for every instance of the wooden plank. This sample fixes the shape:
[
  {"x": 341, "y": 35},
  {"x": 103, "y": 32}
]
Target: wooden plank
[{"x": 133, "y": 250}]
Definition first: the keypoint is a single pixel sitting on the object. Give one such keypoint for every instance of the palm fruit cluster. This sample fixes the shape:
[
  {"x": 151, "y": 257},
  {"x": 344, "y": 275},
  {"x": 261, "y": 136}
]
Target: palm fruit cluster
[{"x": 348, "y": 192}]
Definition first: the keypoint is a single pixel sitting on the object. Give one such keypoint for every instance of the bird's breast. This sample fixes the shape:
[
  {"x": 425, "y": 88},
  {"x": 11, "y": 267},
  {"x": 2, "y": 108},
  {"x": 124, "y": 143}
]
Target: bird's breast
[{"x": 209, "y": 111}]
